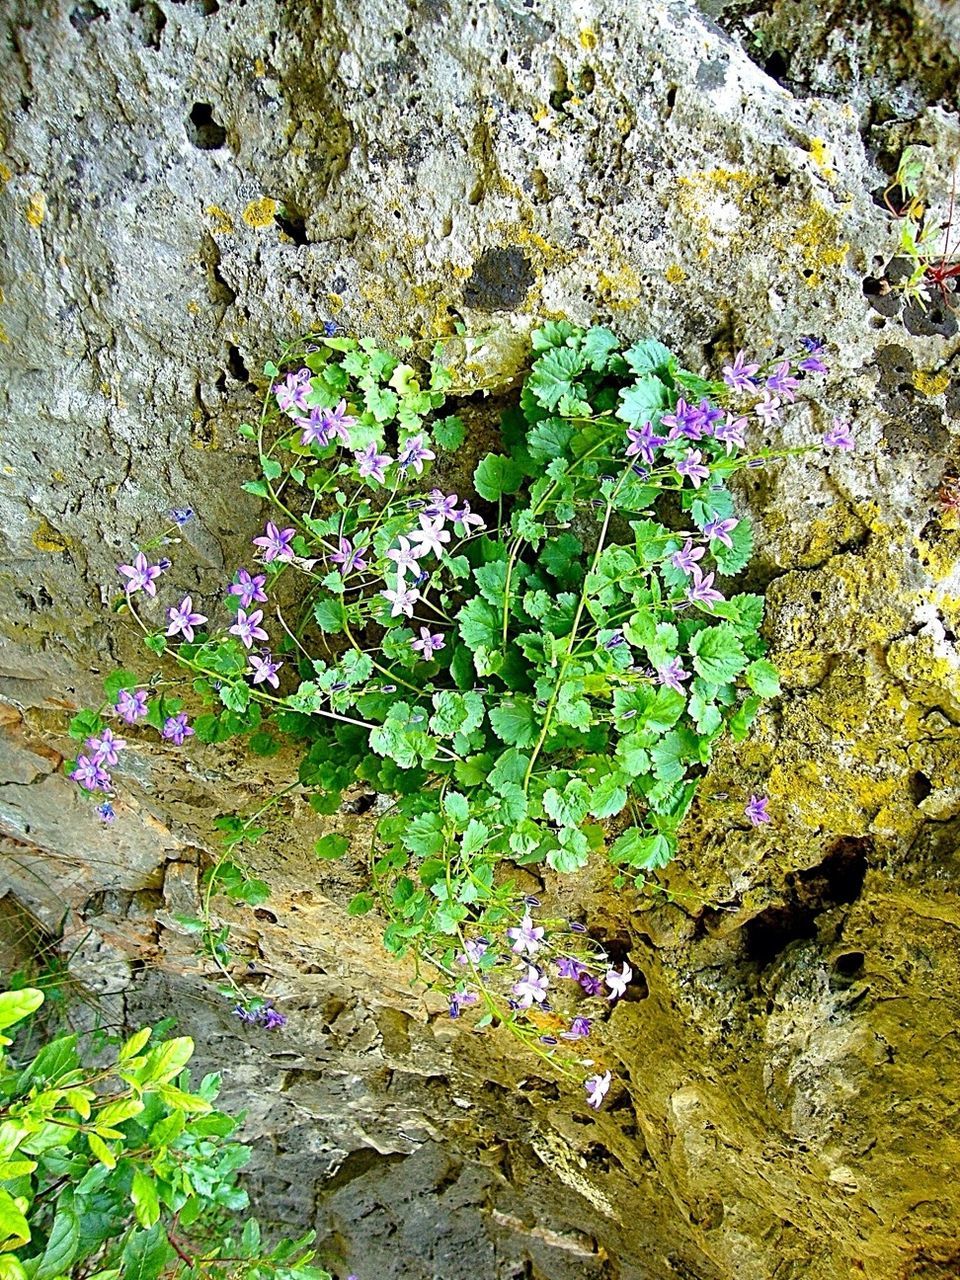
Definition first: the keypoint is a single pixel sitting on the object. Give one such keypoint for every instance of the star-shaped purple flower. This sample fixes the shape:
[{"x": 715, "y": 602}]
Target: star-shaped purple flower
[
  {"x": 106, "y": 748},
  {"x": 349, "y": 557},
  {"x": 617, "y": 982},
  {"x": 265, "y": 669},
  {"x": 579, "y": 1028},
  {"x": 768, "y": 409},
  {"x": 721, "y": 530},
  {"x": 248, "y": 588},
  {"x": 276, "y": 542},
  {"x": 671, "y": 675},
  {"x": 428, "y": 644},
  {"x": 597, "y": 1087},
  {"x": 756, "y": 810},
  {"x": 176, "y": 728},
  {"x": 526, "y": 937},
  {"x": 739, "y": 376},
  {"x": 105, "y": 812},
  {"x": 644, "y": 443},
  {"x": 371, "y": 464},
  {"x": 781, "y": 383},
  {"x": 683, "y": 422},
  {"x": 459, "y": 999},
  {"x": 247, "y": 627},
  {"x": 532, "y": 988},
  {"x": 839, "y": 436},
  {"x": 686, "y": 558},
  {"x": 131, "y": 705},
  {"x": 414, "y": 454},
  {"x": 691, "y": 468},
  {"x": 730, "y": 433},
  {"x": 291, "y": 394},
  {"x": 473, "y": 951},
  {"x": 567, "y": 967},
  {"x": 702, "y": 590},
  {"x": 442, "y": 505},
  {"x": 89, "y": 774},
  {"x": 704, "y": 416},
  {"x": 141, "y": 575},
  {"x": 183, "y": 619}
]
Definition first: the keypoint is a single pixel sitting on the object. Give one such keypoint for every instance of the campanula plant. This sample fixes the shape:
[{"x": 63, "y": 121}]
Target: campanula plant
[{"x": 532, "y": 660}]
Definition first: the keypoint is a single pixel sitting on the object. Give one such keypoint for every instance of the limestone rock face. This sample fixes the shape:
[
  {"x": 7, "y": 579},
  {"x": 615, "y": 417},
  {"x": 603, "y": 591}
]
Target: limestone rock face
[{"x": 184, "y": 184}]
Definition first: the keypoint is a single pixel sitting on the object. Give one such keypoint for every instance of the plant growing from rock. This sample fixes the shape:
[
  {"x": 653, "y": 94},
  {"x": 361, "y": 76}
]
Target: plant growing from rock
[
  {"x": 533, "y": 674},
  {"x": 123, "y": 1171}
]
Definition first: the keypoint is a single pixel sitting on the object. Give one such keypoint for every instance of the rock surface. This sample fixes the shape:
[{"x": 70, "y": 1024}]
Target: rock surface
[{"x": 183, "y": 185}]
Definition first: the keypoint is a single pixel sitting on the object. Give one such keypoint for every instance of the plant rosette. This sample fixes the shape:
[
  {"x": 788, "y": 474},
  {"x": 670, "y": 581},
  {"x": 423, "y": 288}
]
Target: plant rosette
[{"x": 533, "y": 674}]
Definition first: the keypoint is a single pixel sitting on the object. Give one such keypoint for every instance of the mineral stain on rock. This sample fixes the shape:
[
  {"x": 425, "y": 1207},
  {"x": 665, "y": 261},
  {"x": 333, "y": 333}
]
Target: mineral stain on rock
[{"x": 500, "y": 280}]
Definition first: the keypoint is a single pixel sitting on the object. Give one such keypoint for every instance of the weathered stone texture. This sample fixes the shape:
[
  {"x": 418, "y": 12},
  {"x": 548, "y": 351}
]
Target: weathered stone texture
[{"x": 186, "y": 183}]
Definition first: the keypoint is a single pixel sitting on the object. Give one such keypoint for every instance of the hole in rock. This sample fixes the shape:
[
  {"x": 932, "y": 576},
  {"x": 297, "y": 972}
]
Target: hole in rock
[
  {"x": 293, "y": 223},
  {"x": 920, "y": 786},
  {"x": 776, "y": 66},
  {"x": 206, "y": 133},
  {"x": 235, "y": 364},
  {"x": 82, "y": 15},
  {"x": 849, "y": 964}
]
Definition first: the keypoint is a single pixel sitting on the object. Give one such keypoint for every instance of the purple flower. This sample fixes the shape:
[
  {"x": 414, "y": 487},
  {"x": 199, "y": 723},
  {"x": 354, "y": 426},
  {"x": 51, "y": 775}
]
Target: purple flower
[
  {"x": 768, "y": 409},
  {"x": 617, "y": 982},
  {"x": 248, "y": 588},
  {"x": 756, "y": 810},
  {"x": 176, "y": 728},
  {"x": 615, "y": 641},
  {"x": 414, "y": 454},
  {"x": 325, "y": 425},
  {"x": 247, "y": 627},
  {"x": 401, "y": 600},
  {"x": 839, "y": 436},
  {"x": 703, "y": 591},
  {"x": 739, "y": 375},
  {"x": 682, "y": 422},
  {"x": 141, "y": 575},
  {"x": 596, "y": 1087},
  {"x": 371, "y": 463},
  {"x": 526, "y": 937},
  {"x": 442, "y": 505},
  {"x": 428, "y": 644},
  {"x": 89, "y": 774},
  {"x": 106, "y": 748},
  {"x": 183, "y": 619},
  {"x": 131, "y": 705},
  {"x": 781, "y": 383},
  {"x": 686, "y": 558},
  {"x": 473, "y": 951},
  {"x": 460, "y": 998},
  {"x": 704, "y": 416},
  {"x": 405, "y": 558},
  {"x": 249, "y": 1016},
  {"x": 181, "y": 516},
  {"x": 465, "y": 517},
  {"x": 348, "y": 557},
  {"x": 292, "y": 393},
  {"x": 105, "y": 812},
  {"x": 431, "y": 537},
  {"x": 591, "y": 985},
  {"x": 579, "y": 1028},
  {"x": 672, "y": 674},
  {"x": 691, "y": 467},
  {"x": 531, "y": 988},
  {"x": 643, "y": 442},
  {"x": 811, "y": 363},
  {"x": 265, "y": 669},
  {"x": 721, "y": 530},
  {"x": 730, "y": 433},
  {"x": 567, "y": 967},
  {"x": 271, "y": 1018},
  {"x": 275, "y": 542}
]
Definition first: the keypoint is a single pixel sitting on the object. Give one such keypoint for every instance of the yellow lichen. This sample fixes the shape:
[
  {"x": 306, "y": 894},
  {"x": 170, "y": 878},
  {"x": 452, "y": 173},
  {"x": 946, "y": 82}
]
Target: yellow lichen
[
  {"x": 36, "y": 209},
  {"x": 193, "y": 307},
  {"x": 260, "y": 213},
  {"x": 675, "y": 273},
  {"x": 4, "y": 336},
  {"x": 823, "y": 159},
  {"x": 47, "y": 538},
  {"x": 5, "y": 173},
  {"x": 818, "y": 239},
  {"x": 222, "y": 222},
  {"x": 931, "y": 383},
  {"x": 588, "y": 38},
  {"x": 259, "y": 68}
]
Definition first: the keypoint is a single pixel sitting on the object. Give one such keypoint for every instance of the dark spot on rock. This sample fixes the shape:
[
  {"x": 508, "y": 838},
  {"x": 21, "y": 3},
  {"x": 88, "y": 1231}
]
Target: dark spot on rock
[
  {"x": 881, "y": 297},
  {"x": 837, "y": 879},
  {"x": 293, "y": 223},
  {"x": 82, "y": 15},
  {"x": 338, "y": 284},
  {"x": 712, "y": 74},
  {"x": 952, "y": 399},
  {"x": 238, "y": 370},
  {"x": 849, "y": 964},
  {"x": 152, "y": 22},
  {"x": 932, "y": 320},
  {"x": 203, "y": 130},
  {"x": 920, "y": 786},
  {"x": 500, "y": 281},
  {"x": 776, "y": 66}
]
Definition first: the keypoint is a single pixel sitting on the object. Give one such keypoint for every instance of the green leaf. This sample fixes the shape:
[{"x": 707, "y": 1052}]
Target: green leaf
[
  {"x": 143, "y": 1193},
  {"x": 328, "y": 614},
  {"x": 717, "y": 653},
  {"x": 553, "y": 333},
  {"x": 743, "y": 718},
  {"x": 360, "y": 904},
  {"x": 763, "y": 678},
  {"x": 117, "y": 681},
  {"x": 258, "y": 488},
  {"x": 598, "y": 345},
  {"x": 731, "y": 560},
  {"x": 638, "y": 849},
  {"x": 496, "y": 475},
  {"x": 641, "y": 402},
  {"x": 570, "y": 808},
  {"x": 456, "y": 807},
  {"x": 101, "y": 1151},
  {"x": 475, "y": 837},
  {"x": 271, "y": 468},
  {"x": 480, "y": 625},
  {"x": 449, "y": 433},
  {"x": 331, "y": 846},
  {"x": 515, "y": 722},
  {"x": 17, "y": 1005},
  {"x": 553, "y": 375},
  {"x": 167, "y": 1060},
  {"x": 648, "y": 356},
  {"x": 549, "y": 439},
  {"x": 609, "y": 795},
  {"x": 85, "y": 724},
  {"x": 13, "y": 1225},
  {"x": 145, "y": 1254}
]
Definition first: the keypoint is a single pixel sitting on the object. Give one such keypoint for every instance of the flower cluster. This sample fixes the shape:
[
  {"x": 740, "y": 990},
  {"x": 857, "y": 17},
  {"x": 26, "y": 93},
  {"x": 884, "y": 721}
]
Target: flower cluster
[{"x": 260, "y": 1015}]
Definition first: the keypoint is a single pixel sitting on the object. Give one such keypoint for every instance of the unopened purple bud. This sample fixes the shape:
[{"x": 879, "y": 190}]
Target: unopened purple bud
[
  {"x": 531, "y": 901},
  {"x": 577, "y": 927},
  {"x": 329, "y": 328},
  {"x": 422, "y": 578},
  {"x": 341, "y": 684},
  {"x": 755, "y": 462},
  {"x": 628, "y": 715},
  {"x": 164, "y": 563},
  {"x": 415, "y": 503},
  {"x": 637, "y": 470},
  {"x": 549, "y": 1040},
  {"x": 597, "y": 502},
  {"x": 388, "y": 688}
]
